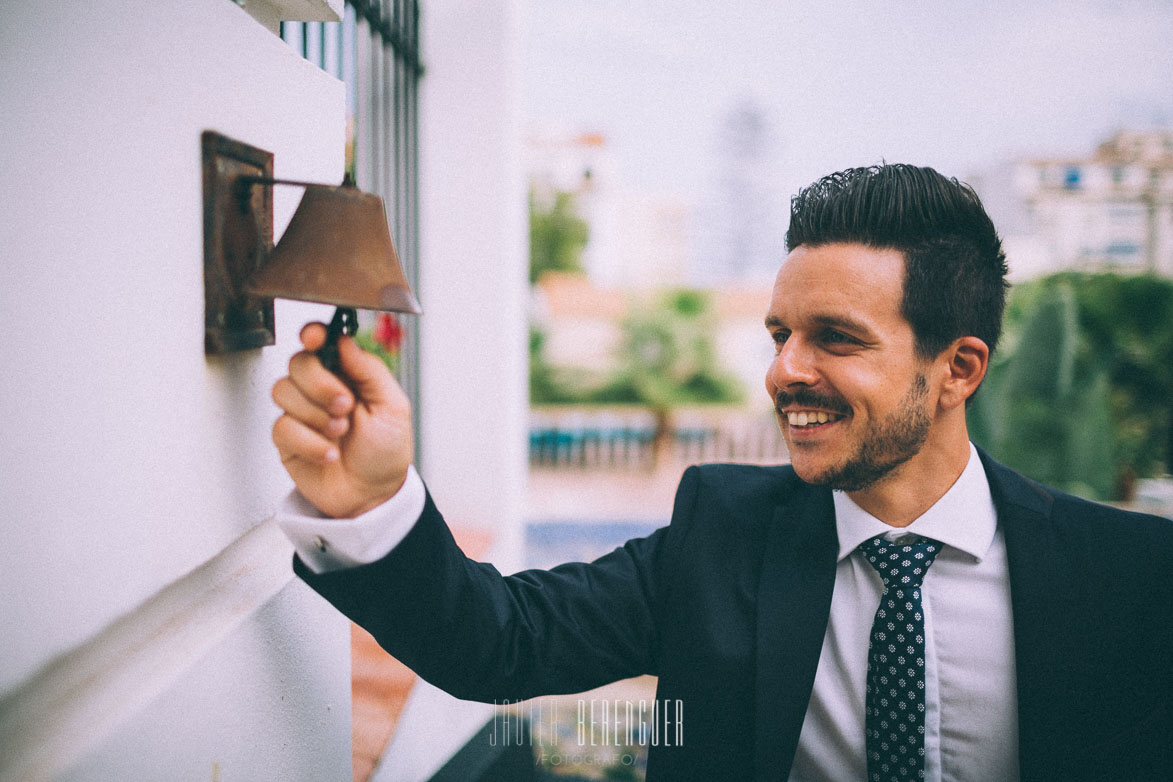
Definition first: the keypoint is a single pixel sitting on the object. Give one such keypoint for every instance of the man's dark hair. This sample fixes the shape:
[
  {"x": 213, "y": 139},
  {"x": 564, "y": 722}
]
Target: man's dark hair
[{"x": 954, "y": 267}]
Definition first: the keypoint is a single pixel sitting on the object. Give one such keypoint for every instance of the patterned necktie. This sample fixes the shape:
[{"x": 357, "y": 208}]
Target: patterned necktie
[{"x": 895, "y": 723}]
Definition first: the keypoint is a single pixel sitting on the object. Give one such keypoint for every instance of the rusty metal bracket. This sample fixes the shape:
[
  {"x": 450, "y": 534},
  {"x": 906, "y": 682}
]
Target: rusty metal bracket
[{"x": 238, "y": 234}]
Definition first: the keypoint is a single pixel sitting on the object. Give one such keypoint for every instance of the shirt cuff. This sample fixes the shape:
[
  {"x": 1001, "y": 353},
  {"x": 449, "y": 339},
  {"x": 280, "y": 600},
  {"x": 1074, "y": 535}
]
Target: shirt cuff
[{"x": 326, "y": 544}]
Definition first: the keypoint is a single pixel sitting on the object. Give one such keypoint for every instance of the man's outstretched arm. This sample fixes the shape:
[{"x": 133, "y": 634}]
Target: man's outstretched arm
[
  {"x": 458, "y": 623},
  {"x": 479, "y": 635}
]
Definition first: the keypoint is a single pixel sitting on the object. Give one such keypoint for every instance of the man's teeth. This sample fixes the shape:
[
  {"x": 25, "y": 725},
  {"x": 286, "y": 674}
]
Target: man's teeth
[{"x": 809, "y": 419}]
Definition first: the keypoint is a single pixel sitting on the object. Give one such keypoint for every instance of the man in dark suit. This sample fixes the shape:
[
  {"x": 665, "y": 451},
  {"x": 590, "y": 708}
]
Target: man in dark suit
[{"x": 782, "y": 608}]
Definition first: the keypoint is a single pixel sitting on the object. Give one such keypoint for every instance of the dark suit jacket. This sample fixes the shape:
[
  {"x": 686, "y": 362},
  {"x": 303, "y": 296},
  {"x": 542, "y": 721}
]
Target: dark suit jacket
[{"x": 728, "y": 605}]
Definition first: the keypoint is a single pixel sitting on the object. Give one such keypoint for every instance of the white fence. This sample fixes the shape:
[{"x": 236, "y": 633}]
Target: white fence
[{"x": 622, "y": 437}]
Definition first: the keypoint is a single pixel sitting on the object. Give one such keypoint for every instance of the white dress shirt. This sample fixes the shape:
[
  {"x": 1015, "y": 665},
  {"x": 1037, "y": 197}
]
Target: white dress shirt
[
  {"x": 971, "y": 702},
  {"x": 326, "y": 544},
  {"x": 971, "y": 720}
]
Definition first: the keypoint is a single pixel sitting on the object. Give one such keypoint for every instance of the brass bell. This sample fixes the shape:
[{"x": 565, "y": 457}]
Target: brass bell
[{"x": 336, "y": 250}]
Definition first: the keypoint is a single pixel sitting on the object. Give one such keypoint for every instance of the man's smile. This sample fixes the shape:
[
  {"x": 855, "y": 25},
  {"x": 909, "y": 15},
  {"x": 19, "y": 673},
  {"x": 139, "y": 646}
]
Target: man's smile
[{"x": 808, "y": 419}]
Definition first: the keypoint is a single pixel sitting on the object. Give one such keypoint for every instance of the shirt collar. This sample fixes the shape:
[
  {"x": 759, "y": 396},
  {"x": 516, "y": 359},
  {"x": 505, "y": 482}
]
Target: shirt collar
[{"x": 963, "y": 518}]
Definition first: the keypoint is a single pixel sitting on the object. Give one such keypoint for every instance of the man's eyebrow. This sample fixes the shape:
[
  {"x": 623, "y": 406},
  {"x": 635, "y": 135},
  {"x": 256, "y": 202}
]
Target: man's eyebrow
[
  {"x": 843, "y": 322},
  {"x": 833, "y": 321}
]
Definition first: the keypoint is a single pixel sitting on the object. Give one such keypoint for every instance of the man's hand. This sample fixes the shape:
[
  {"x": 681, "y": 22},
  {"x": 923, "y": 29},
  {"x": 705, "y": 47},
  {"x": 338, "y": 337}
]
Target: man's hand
[{"x": 347, "y": 451}]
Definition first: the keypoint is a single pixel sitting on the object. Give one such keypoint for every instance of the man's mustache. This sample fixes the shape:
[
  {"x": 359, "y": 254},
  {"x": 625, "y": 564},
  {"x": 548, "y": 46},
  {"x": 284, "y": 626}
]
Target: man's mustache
[{"x": 805, "y": 397}]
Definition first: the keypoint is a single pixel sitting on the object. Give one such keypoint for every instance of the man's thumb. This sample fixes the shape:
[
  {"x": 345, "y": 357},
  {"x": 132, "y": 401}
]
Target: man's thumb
[{"x": 369, "y": 376}]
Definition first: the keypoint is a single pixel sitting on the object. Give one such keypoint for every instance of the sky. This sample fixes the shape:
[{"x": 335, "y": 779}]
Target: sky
[{"x": 961, "y": 86}]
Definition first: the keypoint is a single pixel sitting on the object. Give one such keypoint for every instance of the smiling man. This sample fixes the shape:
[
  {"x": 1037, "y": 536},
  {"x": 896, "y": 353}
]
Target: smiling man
[
  {"x": 892, "y": 605},
  {"x": 850, "y": 390}
]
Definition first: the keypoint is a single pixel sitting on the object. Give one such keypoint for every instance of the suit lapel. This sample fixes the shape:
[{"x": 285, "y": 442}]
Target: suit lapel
[
  {"x": 794, "y": 601},
  {"x": 1045, "y": 595}
]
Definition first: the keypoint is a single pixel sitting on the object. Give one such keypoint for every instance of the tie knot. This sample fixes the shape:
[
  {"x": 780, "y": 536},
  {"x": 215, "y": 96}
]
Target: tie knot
[{"x": 902, "y": 565}]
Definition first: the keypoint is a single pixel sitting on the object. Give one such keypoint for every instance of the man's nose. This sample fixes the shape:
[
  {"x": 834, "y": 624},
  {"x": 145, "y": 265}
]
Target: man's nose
[{"x": 792, "y": 365}]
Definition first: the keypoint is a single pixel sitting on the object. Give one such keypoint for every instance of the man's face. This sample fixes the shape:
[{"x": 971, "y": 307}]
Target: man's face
[{"x": 851, "y": 394}]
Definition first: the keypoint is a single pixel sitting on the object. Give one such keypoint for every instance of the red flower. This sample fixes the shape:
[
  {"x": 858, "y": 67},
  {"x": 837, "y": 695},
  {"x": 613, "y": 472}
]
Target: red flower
[{"x": 388, "y": 333}]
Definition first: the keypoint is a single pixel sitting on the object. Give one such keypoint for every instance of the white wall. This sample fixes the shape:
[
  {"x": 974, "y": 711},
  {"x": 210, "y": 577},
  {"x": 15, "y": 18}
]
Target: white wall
[
  {"x": 130, "y": 458},
  {"x": 474, "y": 263}
]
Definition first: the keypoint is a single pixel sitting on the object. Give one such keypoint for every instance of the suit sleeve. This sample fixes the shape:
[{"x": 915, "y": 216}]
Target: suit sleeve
[{"x": 479, "y": 635}]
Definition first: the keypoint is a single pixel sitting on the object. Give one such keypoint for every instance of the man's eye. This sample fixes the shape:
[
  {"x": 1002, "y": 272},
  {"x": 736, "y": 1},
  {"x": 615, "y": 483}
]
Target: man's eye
[
  {"x": 832, "y": 337},
  {"x": 780, "y": 337}
]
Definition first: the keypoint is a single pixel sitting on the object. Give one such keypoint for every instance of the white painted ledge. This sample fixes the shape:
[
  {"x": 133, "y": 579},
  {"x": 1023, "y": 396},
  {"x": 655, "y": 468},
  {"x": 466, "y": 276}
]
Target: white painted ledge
[
  {"x": 271, "y": 13},
  {"x": 78, "y": 699}
]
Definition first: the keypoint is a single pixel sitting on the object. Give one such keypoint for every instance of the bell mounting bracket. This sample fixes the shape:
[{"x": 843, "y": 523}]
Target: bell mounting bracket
[{"x": 238, "y": 235}]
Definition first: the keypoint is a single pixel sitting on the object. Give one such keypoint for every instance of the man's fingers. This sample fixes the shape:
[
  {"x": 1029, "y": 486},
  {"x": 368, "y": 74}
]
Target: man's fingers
[
  {"x": 365, "y": 373},
  {"x": 320, "y": 386},
  {"x": 290, "y": 399},
  {"x": 313, "y": 336},
  {"x": 370, "y": 377},
  {"x": 295, "y": 440}
]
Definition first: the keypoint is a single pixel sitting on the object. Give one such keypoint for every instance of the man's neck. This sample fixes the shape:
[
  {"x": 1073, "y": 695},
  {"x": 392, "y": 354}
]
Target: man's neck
[{"x": 915, "y": 486}]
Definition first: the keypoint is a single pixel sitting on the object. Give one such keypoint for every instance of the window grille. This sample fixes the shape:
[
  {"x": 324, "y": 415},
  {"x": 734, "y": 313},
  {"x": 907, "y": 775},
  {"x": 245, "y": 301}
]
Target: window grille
[{"x": 374, "y": 51}]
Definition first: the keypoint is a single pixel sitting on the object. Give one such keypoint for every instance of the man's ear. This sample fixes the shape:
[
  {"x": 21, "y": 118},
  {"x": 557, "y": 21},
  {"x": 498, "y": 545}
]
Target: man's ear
[{"x": 965, "y": 365}]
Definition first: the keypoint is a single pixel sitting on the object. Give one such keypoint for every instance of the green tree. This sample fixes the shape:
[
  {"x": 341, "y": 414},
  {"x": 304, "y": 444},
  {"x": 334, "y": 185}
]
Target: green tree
[
  {"x": 1080, "y": 396},
  {"x": 557, "y": 235},
  {"x": 550, "y": 385},
  {"x": 1127, "y": 322},
  {"x": 667, "y": 360}
]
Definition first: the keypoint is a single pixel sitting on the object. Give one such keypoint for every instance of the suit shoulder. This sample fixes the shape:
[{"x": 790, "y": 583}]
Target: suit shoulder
[
  {"x": 722, "y": 513},
  {"x": 1073, "y": 513},
  {"x": 1092, "y": 526},
  {"x": 742, "y": 484},
  {"x": 1112, "y": 521}
]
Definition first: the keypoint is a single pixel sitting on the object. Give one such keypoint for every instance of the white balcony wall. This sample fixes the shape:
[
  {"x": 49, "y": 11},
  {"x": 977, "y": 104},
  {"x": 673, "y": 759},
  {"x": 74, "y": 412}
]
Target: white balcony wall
[
  {"x": 145, "y": 634},
  {"x": 474, "y": 263}
]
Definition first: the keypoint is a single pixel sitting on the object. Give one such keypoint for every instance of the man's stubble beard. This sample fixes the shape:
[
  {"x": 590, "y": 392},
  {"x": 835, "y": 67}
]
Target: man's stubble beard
[{"x": 885, "y": 445}]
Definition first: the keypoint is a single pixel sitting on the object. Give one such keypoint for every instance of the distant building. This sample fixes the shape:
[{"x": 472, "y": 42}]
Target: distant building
[
  {"x": 1112, "y": 210},
  {"x": 742, "y": 234},
  {"x": 637, "y": 240},
  {"x": 575, "y": 163}
]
